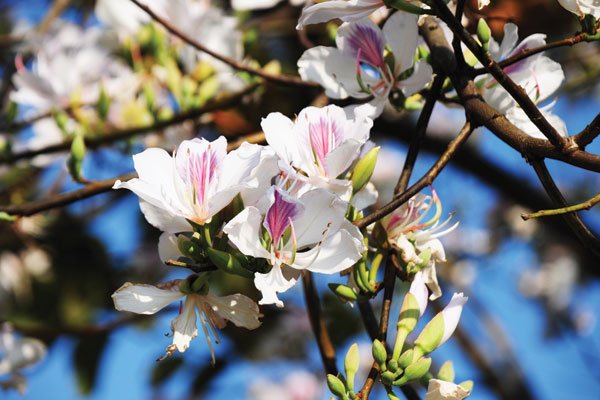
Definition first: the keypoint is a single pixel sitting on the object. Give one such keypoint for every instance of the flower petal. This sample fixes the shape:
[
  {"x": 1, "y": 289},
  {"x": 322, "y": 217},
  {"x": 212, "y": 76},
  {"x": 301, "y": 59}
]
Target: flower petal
[
  {"x": 323, "y": 212},
  {"x": 401, "y": 33},
  {"x": 451, "y": 315},
  {"x": 421, "y": 76},
  {"x": 237, "y": 308},
  {"x": 336, "y": 253},
  {"x": 274, "y": 282},
  {"x": 184, "y": 326},
  {"x": 351, "y": 10},
  {"x": 143, "y": 299},
  {"x": 167, "y": 247},
  {"x": 243, "y": 231}
]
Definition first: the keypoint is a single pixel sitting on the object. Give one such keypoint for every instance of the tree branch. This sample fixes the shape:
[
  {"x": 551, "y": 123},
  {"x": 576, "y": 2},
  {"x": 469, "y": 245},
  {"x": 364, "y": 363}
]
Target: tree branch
[
  {"x": 586, "y": 205},
  {"x": 313, "y": 305}
]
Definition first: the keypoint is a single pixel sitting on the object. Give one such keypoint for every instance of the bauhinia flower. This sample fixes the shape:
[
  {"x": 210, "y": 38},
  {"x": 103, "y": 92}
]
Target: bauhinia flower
[
  {"x": 213, "y": 311},
  {"x": 417, "y": 239},
  {"x": 345, "y": 10},
  {"x": 15, "y": 355},
  {"x": 538, "y": 75},
  {"x": 195, "y": 184},
  {"x": 321, "y": 144},
  {"x": 581, "y": 8},
  {"x": 243, "y": 5},
  {"x": 442, "y": 390},
  {"x": 360, "y": 66},
  {"x": 310, "y": 233}
]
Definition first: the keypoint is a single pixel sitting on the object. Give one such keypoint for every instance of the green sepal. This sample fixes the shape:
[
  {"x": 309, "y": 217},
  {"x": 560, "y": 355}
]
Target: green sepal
[
  {"x": 467, "y": 385},
  {"x": 431, "y": 336},
  {"x": 405, "y": 359},
  {"x": 414, "y": 371},
  {"x": 227, "y": 262}
]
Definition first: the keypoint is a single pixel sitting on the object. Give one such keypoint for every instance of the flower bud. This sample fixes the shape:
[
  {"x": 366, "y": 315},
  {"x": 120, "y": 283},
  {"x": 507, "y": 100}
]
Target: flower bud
[
  {"x": 364, "y": 169},
  {"x": 446, "y": 372},
  {"x": 76, "y": 157},
  {"x": 441, "y": 327},
  {"x": 11, "y": 112},
  {"x": 345, "y": 293},
  {"x": 351, "y": 364},
  {"x": 103, "y": 104},
  {"x": 484, "y": 33},
  {"x": 414, "y": 371},
  {"x": 388, "y": 377},
  {"x": 336, "y": 386},
  {"x": 467, "y": 385},
  {"x": 379, "y": 353},
  {"x": 228, "y": 263},
  {"x": 393, "y": 365},
  {"x": 405, "y": 359}
]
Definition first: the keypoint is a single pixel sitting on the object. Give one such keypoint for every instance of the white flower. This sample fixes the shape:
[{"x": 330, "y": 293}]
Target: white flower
[
  {"x": 418, "y": 289},
  {"x": 322, "y": 143},
  {"x": 346, "y": 10},
  {"x": 483, "y": 3},
  {"x": 538, "y": 75},
  {"x": 213, "y": 311},
  {"x": 195, "y": 184},
  {"x": 442, "y": 390},
  {"x": 310, "y": 233},
  {"x": 64, "y": 70},
  {"x": 582, "y": 7},
  {"x": 17, "y": 354},
  {"x": 299, "y": 385},
  {"x": 123, "y": 16},
  {"x": 358, "y": 68},
  {"x": 418, "y": 240}
]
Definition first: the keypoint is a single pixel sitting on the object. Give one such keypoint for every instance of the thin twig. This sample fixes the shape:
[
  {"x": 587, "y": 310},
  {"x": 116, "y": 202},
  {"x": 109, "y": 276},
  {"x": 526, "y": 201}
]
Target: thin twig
[
  {"x": 417, "y": 139},
  {"x": 313, "y": 305},
  {"x": 104, "y": 138},
  {"x": 586, "y": 205},
  {"x": 282, "y": 79},
  {"x": 585, "y": 236}
]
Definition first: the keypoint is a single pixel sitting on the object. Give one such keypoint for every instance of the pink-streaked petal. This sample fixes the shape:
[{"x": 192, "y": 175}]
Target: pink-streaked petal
[
  {"x": 282, "y": 212},
  {"x": 362, "y": 38}
]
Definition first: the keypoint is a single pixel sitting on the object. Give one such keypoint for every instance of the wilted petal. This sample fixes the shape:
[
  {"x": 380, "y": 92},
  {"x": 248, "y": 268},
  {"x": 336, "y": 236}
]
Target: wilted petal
[
  {"x": 144, "y": 299},
  {"x": 431, "y": 280}
]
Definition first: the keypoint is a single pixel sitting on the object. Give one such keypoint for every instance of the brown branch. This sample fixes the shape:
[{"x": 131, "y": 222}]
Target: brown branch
[
  {"x": 105, "y": 138},
  {"x": 317, "y": 323},
  {"x": 589, "y": 133},
  {"x": 422, "y": 183},
  {"x": 417, "y": 139},
  {"x": 587, "y": 238},
  {"x": 518, "y": 94},
  {"x": 281, "y": 79}
]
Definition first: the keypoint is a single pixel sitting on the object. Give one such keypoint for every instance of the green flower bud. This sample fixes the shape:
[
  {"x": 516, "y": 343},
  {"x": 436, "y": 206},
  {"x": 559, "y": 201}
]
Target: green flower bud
[
  {"x": 414, "y": 371},
  {"x": 11, "y": 112},
  {"x": 76, "y": 157},
  {"x": 336, "y": 386},
  {"x": 431, "y": 335},
  {"x": 388, "y": 377},
  {"x": 4, "y": 216},
  {"x": 190, "y": 248},
  {"x": 446, "y": 372},
  {"x": 345, "y": 293},
  {"x": 103, "y": 104},
  {"x": 228, "y": 263},
  {"x": 405, "y": 359},
  {"x": 62, "y": 121},
  {"x": 467, "y": 385},
  {"x": 364, "y": 169},
  {"x": 484, "y": 33},
  {"x": 393, "y": 365},
  {"x": 185, "y": 286},
  {"x": 208, "y": 89},
  {"x": 200, "y": 284},
  {"x": 379, "y": 353},
  {"x": 351, "y": 364}
]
